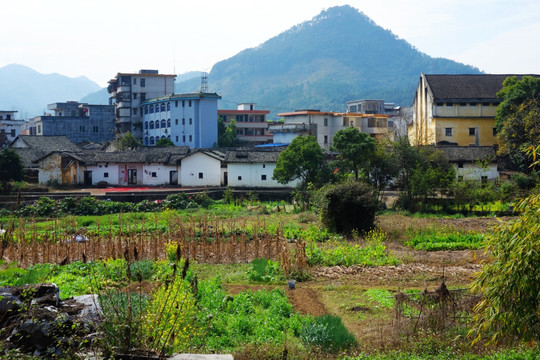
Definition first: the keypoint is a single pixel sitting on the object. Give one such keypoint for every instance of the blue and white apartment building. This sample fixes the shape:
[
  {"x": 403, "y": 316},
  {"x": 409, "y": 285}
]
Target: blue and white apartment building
[{"x": 187, "y": 119}]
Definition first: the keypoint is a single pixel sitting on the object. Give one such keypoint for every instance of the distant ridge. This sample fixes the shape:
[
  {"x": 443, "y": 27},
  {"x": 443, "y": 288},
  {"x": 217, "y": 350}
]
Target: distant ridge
[
  {"x": 28, "y": 91},
  {"x": 338, "y": 56}
]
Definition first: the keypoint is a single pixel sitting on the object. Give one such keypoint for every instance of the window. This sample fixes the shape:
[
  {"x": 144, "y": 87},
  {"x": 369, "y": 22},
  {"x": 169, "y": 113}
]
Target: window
[
  {"x": 175, "y": 121},
  {"x": 106, "y": 174},
  {"x": 183, "y": 121},
  {"x": 183, "y": 138},
  {"x": 146, "y": 125},
  {"x": 168, "y": 122},
  {"x": 151, "y": 124},
  {"x": 460, "y": 165},
  {"x": 163, "y": 124},
  {"x": 81, "y": 128},
  {"x": 326, "y": 139},
  {"x": 146, "y": 140},
  {"x": 189, "y": 103},
  {"x": 448, "y": 131},
  {"x": 190, "y": 138},
  {"x": 200, "y": 175},
  {"x": 13, "y": 132},
  {"x": 239, "y": 178},
  {"x": 176, "y": 103},
  {"x": 264, "y": 166},
  {"x": 143, "y": 82},
  {"x": 162, "y": 106},
  {"x": 325, "y": 121},
  {"x": 168, "y": 106},
  {"x": 134, "y": 81},
  {"x": 134, "y": 96},
  {"x": 151, "y": 140},
  {"x": 151, "y": 109},
  {"x": 472, "y": 131},
  {"x": 154, "y": 174},
  {"x": 190, "y": 121},
  {"x": 95, "y": 129},
  {"x": 494, "y": 131},
  {"x": 143, "y": 96},
  {"x": 176, "y": 138},
  {"x": 146, "y": 109},
  {"x": 263, "y": 177},
  {"x": 39, "y": 129},
  {"x": 183, "y": 103},
  {"x": 134, "y": 111}
]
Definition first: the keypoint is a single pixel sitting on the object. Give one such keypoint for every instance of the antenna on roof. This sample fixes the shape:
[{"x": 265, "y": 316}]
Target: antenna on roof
[{"x": 204, "y": 82}]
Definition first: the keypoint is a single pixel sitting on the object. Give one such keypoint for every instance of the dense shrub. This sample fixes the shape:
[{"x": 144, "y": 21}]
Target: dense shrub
[{"x": 347, "y": 207}]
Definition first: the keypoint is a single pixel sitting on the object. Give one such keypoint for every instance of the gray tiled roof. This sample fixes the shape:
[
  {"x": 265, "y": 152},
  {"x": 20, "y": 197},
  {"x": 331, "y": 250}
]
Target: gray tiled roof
[
  {"x": 142, "y": 154},
  {"x": 48, "y": 144},
  {"x": 251, "y": 156},
  {"x": 469, "y": 153},
  {"x": 39, "y": 146},
  {"x": 467, "y": 87}
]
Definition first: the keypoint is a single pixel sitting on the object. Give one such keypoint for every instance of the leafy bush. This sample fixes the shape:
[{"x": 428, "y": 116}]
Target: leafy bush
[
  {"x": 347, "y": 207},
  {"x": 264, "y": 270},
  {"x": 327, "y": 333}
]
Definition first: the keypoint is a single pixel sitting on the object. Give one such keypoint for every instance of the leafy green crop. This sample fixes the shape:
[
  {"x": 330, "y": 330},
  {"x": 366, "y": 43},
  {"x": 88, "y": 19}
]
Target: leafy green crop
[
  {"x": 434, "y": 240},
  {"x": 349, "y": 254}
]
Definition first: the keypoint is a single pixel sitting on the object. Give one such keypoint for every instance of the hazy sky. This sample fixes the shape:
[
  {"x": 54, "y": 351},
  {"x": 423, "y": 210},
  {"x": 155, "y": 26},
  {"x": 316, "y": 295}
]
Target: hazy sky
[{"x": 98, "y": 38}]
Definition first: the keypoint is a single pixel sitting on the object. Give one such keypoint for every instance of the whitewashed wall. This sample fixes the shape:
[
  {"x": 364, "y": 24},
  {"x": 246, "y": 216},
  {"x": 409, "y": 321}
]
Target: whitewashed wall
[
  {"x": 50, "y": 169},
  {"x": 473, "y": 172},
  {"x": 200, "y": 163},
  {"x": 98, "y": 173},
  {"x": 162, "y": 174},
  {"x": 250, "y": 175}
]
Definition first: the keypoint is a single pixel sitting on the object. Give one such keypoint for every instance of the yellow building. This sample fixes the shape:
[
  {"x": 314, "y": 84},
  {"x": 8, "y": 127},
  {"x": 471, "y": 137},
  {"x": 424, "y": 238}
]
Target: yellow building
[{"x": 455, "y": 110}]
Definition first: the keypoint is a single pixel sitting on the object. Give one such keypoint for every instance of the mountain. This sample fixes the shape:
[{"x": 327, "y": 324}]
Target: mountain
[
  {"x": 338, "y": 56},
  {"x": 29, "y": 92}
]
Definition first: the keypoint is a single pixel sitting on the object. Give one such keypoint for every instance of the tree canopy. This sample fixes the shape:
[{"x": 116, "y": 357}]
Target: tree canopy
[
  {"x": 11, "y": 167},
  {"x": 226, "y": 133},
  {"x": 518, "y": 118},
  {"x": 128, "y": 141},
  {"x": 164, "y": 142},
  {"x": 355, "y": 148},
  {"x": 303, "y": 159}
]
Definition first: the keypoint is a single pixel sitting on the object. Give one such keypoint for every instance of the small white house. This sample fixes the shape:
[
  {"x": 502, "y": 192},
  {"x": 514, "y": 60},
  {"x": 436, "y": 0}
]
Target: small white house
[
  {"x": 473, "y": 162},
  {"x": 254, "y": 168},
  {"x": 202, "y": 168}
]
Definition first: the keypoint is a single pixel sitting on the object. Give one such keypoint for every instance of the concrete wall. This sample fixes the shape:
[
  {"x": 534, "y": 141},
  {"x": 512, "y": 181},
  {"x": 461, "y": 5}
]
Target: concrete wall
[{"x": 460, "y": 131}]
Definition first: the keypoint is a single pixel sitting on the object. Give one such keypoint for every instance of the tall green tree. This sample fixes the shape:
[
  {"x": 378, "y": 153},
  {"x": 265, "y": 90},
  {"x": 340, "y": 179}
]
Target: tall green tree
[
  {"x": 383, "y": 167},
  {"x": 303, "y": 159},
  {"x": 518, "y": 118},
  {"x": 11, "y": 167},
  {"x": 355, "y": 148},
  {"x": 226, "y": 133}
]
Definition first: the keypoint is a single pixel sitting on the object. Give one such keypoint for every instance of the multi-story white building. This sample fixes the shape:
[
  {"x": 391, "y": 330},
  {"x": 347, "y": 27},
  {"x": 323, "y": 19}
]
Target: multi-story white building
[
  {"x": 187, "y": 119},
  {"x": 10, "y": 127},
  {"x": 128, "y": 90}
]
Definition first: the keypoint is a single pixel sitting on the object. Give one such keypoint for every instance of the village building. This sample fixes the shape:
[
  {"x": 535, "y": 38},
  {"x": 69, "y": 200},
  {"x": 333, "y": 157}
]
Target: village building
[
  {"x": 186, "y": 119},
  {"x": 254, "y": 168},
  {"x": 10, "y": 127},
  {"x": 128, "y": 90},
  {"x": 251, "y": 124},
  {"x": 80, "y": 122},
  {"x": 456, "y": 110},
  {"x": 477, "y": 163}
]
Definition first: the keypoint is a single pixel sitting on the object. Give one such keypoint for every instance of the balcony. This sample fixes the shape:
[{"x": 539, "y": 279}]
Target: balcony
[
  {"x": 123, "y": 88},
  {"x": 250, "y": 125},
  {"x": 289, "y": 128}
]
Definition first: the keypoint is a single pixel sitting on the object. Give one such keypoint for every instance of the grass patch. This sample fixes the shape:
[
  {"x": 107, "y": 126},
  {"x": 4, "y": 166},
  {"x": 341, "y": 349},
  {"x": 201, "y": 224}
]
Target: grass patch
[{"x": 327, "y": 333}]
